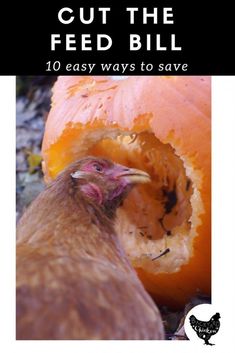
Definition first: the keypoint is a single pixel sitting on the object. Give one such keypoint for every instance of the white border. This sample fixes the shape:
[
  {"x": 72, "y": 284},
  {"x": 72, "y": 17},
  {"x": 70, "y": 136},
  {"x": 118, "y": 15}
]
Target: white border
[
  {"x": 223, "y": 207},
  {"x": 223, "y": 183}
]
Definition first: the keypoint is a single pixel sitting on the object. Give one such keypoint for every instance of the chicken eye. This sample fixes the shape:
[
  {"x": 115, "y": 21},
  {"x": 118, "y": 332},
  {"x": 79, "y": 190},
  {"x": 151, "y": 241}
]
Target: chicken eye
[{"x": 98, "y": 167}]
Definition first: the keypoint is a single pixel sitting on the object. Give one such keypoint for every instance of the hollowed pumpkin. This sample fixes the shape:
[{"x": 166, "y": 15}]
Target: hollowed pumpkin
[{"x": 161, "y": 125}]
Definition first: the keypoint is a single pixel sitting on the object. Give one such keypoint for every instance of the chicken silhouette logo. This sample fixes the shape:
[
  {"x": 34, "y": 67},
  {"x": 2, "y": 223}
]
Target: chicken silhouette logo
[
  {"x": 205, "y": 329},
  {"x": 201, "y": 323}
]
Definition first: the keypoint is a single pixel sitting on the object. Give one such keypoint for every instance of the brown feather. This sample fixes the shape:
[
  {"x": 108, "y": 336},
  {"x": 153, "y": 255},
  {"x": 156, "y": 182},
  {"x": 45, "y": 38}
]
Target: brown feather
[{"x": 74, "y": 280}]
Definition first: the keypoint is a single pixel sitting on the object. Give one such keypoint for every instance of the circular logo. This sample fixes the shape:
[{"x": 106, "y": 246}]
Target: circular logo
[{"x": 202, "y": 324}]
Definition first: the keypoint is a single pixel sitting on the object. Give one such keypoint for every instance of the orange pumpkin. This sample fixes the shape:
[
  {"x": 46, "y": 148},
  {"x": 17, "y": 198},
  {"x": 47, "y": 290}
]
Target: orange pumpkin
[{"x": 161, "y": 125}]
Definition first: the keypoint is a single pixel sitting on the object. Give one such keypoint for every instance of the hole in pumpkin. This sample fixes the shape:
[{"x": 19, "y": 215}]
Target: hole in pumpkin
[
  {"x": 162, "y": 214},
  {"x": 156, "y": 208},
  {"x": 158, "y": 215}
]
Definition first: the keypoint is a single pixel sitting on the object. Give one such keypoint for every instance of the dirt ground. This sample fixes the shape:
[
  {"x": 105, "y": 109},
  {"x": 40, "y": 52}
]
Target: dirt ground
[{"x": 33, "y": 94}]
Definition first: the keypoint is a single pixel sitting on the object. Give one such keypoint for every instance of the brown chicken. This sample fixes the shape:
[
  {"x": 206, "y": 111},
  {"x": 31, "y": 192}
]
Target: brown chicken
[{"x": 74, "y": 280}]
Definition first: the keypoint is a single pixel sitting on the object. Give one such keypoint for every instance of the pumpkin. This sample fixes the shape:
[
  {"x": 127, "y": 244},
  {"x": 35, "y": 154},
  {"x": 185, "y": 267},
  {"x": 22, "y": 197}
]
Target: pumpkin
[{"x": 160, "y": 125}]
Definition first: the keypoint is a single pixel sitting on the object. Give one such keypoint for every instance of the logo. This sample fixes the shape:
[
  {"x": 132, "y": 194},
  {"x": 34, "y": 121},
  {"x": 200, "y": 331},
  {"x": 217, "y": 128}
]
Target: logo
[{"x": 202, "y": 323}]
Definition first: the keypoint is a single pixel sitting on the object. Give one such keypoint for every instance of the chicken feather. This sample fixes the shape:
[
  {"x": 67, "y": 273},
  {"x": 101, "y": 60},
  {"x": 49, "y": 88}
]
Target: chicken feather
[{"x": 74, "y": 280}]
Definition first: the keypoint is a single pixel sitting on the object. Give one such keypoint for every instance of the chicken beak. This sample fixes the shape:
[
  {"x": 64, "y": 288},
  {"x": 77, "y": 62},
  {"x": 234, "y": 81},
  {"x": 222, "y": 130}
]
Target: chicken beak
[{"x": 134, "y": 176}]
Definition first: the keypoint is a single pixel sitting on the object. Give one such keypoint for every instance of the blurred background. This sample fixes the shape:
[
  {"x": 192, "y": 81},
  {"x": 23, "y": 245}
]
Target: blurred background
[{"x": 33, "y": 95}]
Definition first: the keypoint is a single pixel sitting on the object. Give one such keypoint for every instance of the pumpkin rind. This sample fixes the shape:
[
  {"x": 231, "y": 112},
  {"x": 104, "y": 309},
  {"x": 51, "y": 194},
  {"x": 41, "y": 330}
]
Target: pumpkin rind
[{"x": 177, "y": 111}]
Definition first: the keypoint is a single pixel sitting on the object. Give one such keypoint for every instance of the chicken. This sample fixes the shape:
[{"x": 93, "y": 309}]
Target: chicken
[
  {"x": 74, "y": 280},
  {"x": 205, "y": 329}
]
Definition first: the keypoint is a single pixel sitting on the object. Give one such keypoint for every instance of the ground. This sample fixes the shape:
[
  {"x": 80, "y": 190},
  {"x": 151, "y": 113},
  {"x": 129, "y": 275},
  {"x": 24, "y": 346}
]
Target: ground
[{"x": 32, "y": 106}]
